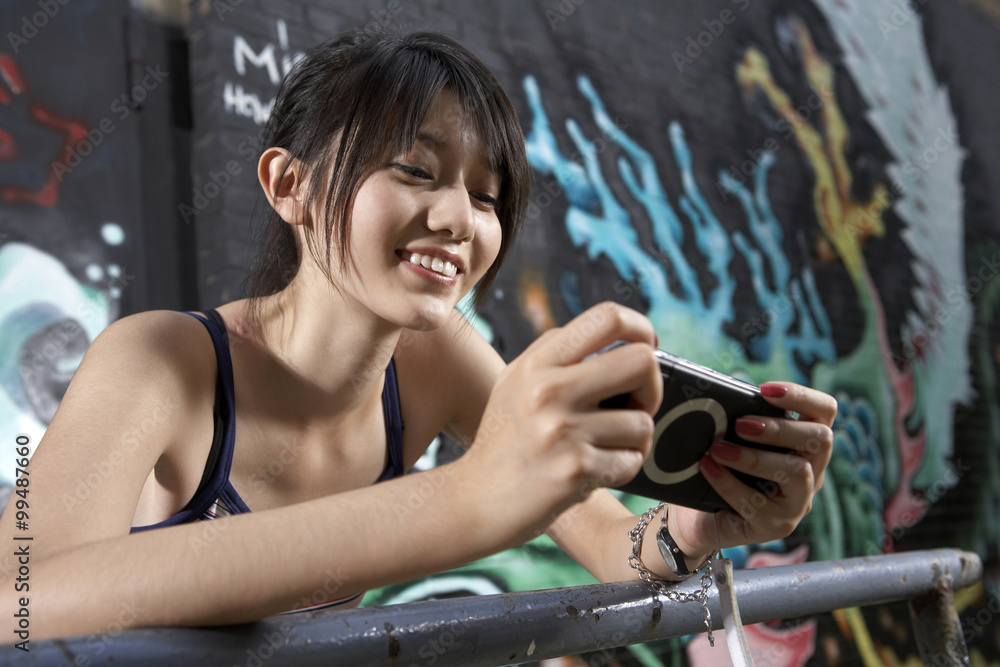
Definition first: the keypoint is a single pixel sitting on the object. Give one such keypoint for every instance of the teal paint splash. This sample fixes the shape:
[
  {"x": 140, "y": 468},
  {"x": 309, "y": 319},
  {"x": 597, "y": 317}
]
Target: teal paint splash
[{"x": 794, "y": 330}]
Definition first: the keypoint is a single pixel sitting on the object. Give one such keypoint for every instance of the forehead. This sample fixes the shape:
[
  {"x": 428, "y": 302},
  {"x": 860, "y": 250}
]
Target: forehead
[{"x": 446, "y": 125}]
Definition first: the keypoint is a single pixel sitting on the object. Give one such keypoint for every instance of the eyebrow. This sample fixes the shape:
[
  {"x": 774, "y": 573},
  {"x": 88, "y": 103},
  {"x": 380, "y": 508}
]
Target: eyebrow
[{"x": 434, "y": 140}]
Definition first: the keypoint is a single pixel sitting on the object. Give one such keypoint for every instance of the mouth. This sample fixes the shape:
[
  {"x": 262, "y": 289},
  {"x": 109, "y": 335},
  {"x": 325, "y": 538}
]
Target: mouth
[
  {"x": 434, "y": 264},
  {"x": 440, "y": 267}
]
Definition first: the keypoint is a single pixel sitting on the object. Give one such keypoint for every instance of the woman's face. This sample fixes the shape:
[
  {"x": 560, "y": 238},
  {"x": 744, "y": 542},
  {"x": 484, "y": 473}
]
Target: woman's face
[{"x": 424, "y": 227}]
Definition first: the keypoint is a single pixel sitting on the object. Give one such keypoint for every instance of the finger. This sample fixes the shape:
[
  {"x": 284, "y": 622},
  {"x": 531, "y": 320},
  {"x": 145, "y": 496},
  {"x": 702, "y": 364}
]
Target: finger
[
  {"x": 596, "y": 328},
  {"x": 779, "y": 474},
  {"x": 811, "y": 439},
  {"x": 618, "y": 443},
  {"x": 757, "y": 512},
  {"x": 618, "y": 429},
  {"x": 630, "y": 369},
  {"x": 811, "y": 404},
  {"x": 810, "y": 443}
]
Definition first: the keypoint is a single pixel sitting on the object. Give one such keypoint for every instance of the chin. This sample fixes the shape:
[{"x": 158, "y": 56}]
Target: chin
[{"x": 426, "y": 318}]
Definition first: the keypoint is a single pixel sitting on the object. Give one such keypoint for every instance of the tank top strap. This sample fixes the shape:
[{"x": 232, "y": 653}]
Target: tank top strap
[
  {"x": 215, "y": 478},
  {"x": 393, "y": 423}
]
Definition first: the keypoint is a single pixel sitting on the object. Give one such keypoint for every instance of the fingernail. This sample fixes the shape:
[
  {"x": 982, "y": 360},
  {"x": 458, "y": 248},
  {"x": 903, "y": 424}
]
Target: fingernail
[
  {"x": 711, "y": 467},
  {"x": 749, "y": 426},
  {"x": 772, "y": 390},
  {"x": 656, "y": 337},
  {"x": 726, "y": 451}
]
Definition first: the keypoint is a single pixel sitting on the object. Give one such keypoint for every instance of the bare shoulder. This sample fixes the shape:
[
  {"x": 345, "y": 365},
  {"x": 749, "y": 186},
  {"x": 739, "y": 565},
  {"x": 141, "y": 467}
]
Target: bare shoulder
[
  {"x": 449, "y": 372},
  {"x": 130, "y": 399},
  {"x": 154, "y": 353},
  {"x": 160, "y": 352}
]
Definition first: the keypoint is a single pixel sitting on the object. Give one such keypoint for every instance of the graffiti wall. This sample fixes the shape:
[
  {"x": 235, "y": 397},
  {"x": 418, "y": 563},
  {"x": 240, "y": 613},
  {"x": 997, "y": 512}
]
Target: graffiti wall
[
  {"x": 75, "y": 224},
  {"x": 788, "y": 190}
]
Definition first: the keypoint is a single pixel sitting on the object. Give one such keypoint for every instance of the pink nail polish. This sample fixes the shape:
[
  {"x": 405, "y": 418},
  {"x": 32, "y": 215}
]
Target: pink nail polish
[
  {"x": 726, "y": 451},
  {"x": 749, "y": 426},
  {"x": 773, "y": 390},
  {"x": 711, "y": 467}
]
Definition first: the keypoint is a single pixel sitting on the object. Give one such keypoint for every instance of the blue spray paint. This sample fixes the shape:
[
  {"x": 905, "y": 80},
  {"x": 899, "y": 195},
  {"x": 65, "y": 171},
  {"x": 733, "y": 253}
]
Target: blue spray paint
[{"x": 794, "y": 330}]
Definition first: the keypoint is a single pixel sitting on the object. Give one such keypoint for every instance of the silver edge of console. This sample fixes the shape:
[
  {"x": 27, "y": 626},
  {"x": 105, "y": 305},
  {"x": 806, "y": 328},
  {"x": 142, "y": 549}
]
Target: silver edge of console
[{"x": 731, "y": 381}]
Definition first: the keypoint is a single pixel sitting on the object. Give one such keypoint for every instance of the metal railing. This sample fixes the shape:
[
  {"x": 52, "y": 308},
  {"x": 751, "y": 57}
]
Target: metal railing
[{"x": 513, "y": 628}]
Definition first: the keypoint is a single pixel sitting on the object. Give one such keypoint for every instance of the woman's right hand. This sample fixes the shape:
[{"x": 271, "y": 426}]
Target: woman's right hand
[{"x": 543, "y": 443}]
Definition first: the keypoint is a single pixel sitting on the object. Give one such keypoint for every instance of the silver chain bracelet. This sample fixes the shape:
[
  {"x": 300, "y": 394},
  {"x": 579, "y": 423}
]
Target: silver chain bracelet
[{"x": 661, "y": 587}]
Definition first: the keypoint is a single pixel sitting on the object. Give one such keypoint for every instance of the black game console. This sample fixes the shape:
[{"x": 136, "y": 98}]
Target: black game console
[{"x": 699, "y": 407}]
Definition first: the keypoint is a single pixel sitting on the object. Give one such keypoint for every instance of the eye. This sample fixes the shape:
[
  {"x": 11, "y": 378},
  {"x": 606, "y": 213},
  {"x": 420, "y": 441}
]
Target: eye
[
  {"x": 485, "y": 199},
  {"x": 413, "y": 172}
]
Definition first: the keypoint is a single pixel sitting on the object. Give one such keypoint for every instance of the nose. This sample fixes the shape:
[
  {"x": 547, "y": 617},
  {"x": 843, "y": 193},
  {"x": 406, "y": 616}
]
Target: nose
[{"x": 452, "y": 214}]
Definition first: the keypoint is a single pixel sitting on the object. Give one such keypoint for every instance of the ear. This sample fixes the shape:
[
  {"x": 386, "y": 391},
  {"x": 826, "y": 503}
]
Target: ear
[{"x": 286, "y": 194}]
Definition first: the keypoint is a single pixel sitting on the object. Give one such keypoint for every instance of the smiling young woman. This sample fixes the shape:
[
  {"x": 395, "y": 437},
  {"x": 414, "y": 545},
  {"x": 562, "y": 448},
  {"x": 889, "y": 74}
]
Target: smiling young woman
[{"x": 396, "y": 175}]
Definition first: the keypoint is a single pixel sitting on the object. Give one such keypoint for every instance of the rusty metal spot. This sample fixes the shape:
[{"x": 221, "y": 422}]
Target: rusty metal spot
[
  {"x": 571, "y": 610},
  {"x": 657, "y": 615},
  {"x": 393, "y": 642}
]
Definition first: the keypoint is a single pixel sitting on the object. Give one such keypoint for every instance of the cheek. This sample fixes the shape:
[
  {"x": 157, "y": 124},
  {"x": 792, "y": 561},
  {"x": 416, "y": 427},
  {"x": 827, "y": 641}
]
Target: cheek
[{"x": 491, "y": 235}]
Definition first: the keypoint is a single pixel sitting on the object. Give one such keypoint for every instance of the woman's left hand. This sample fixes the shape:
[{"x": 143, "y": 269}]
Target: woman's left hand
[{"x": 770, "y": 509}]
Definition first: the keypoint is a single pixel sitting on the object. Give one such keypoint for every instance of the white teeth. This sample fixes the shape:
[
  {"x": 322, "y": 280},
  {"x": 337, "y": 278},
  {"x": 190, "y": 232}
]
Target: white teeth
[{"x": 435, "y": 264}]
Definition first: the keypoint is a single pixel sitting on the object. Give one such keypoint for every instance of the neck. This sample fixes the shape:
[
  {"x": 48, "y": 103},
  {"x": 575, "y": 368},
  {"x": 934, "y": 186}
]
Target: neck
[{"x": 326, "y": 355}]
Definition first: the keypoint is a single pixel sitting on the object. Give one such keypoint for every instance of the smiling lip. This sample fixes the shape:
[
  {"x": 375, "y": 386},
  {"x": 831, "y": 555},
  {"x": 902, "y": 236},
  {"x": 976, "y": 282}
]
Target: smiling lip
[
  {"x": 426, "y": 273},
  {"x": 443, "y": 255}
]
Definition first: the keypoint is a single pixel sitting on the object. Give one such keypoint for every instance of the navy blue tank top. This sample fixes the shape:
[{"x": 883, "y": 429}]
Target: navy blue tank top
[{"x": 216, "y": 496}]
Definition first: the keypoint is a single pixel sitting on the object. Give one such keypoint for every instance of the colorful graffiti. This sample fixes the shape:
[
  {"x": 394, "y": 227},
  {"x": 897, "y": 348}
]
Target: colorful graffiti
[
  {"x": 24, "y": 120},
  {"x": 60, "y": 288},
  {"x": 47, "y": 320},
  {"x": 899, "y": 384}
]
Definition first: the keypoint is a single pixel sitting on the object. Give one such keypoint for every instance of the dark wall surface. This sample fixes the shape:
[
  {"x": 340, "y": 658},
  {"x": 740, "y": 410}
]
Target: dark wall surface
[
  {"x": 800, "y": 190},
  {"x": 93, "y": 104}
]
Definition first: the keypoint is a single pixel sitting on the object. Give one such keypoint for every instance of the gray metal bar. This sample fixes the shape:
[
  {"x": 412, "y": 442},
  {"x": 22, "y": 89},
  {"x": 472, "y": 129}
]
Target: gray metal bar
[
  {"x": 511, "y": 628},
  {"x": 936, "y": 626}
]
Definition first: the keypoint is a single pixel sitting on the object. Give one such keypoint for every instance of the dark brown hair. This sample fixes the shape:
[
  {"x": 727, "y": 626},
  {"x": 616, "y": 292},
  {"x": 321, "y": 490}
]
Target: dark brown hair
[{"x": 372, "y": 93}]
